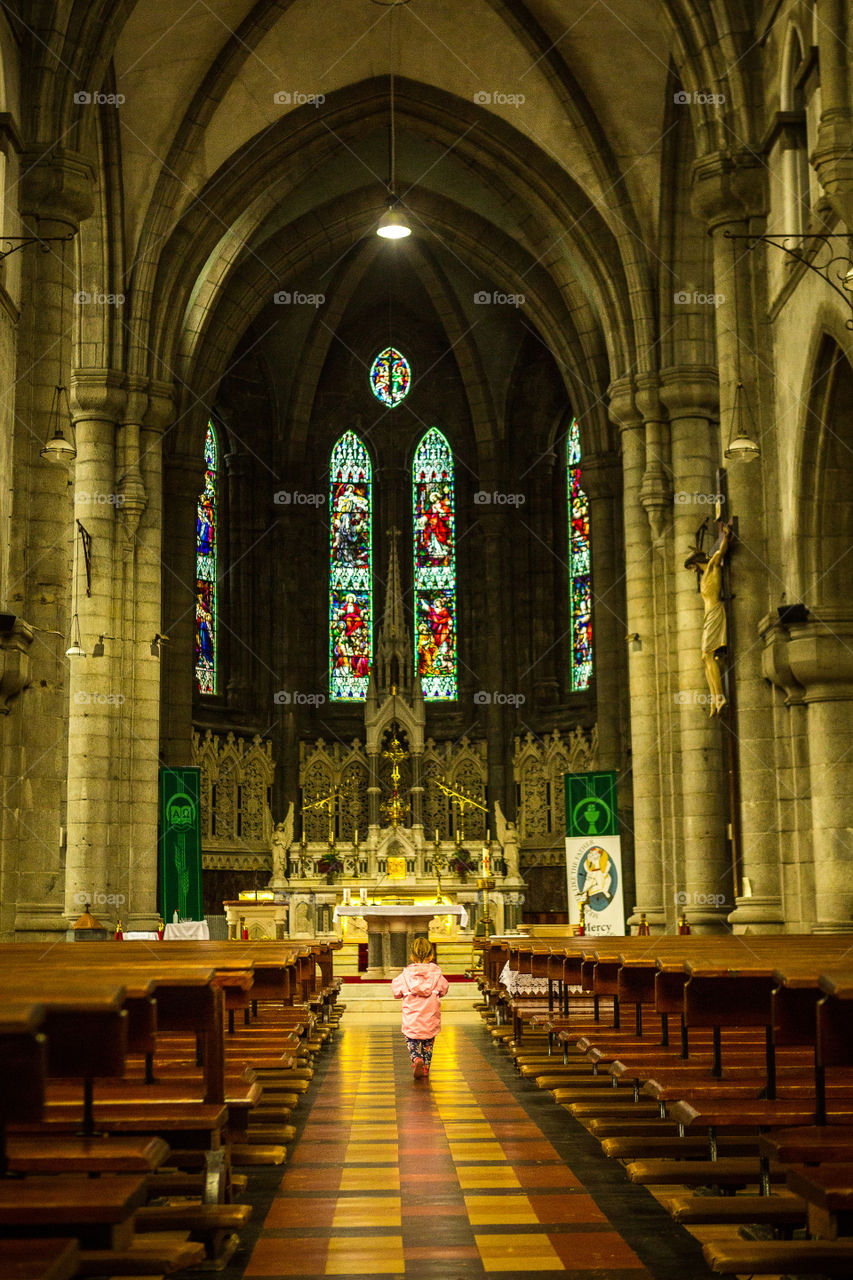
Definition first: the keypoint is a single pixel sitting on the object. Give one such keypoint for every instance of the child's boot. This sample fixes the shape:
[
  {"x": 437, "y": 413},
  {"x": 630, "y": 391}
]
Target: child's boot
[{"x": 418, "y": 1068}]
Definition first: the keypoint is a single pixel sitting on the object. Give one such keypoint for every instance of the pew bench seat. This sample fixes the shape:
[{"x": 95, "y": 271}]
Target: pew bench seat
[
  {"x": 774, "y": 1257},
  {"x": 67, "y": 1153},
  {"x": 40, "y": 1259},
  {"x": 761, "y": 1113},
  {"x": 809, "y": 1144},
  {"x": 739, "y": 1210},
  {"x": 97, "y": 1211},
  {"x": 730, "y": 1171},
  {"x": 146, "y": 1256}
]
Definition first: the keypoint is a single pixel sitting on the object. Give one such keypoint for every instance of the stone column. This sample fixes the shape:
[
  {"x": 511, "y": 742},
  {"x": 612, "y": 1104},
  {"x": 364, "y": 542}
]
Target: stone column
[
  {"x": 649, "y": 873},
  {"x": 499, "y": 777},
  {"x": 704, "y": 875},
  {"x": 100, "y": 698},
  {"x": 727, "y": 192},
  {"x": 182, "y": 484},
  {"x": 546, "y": 684},
  {"x": 600, "y": 482},
  {"x": 143, "y": 558},
  {"x": 56, "y": 195},
  {"x": 240, "y": 507},
  {"x": 833, "y": 154},
  {"x": 820, "y": 654}
]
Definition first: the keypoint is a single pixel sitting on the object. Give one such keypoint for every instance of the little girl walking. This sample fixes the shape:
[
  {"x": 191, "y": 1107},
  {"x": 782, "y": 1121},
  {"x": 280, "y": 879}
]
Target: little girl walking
[{"x": 421, "y": 986}]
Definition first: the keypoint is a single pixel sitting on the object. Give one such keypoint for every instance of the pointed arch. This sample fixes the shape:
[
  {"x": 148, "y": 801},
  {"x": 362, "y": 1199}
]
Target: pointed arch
[
  {"x": 206, "y": 553},
  {"x": 580, "y": 566},
  {"x": 434, "y": 576},
  {"x": 350, "y": 569}
]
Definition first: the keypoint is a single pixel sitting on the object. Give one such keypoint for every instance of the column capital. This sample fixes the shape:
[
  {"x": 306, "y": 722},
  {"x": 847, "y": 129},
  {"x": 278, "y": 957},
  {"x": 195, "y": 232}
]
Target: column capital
[
  {"x": 812, "y": 660},
  {"x": 621, "y": 409},
  {"x": 647, "y": 397},
  {"x": 690, "y": 391},
  {"x": 599, "y": 475},
  {"x": 97, "y": 394},
  {"x": 833, "y": 161},
  {"x": 728, "y": 186},
  {"x": 57, "y": 187},
  {"x": 161, "y": 406}
]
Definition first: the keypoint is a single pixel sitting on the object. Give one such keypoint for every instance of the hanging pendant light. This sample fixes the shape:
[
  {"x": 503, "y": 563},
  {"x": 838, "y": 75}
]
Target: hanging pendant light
[
  {"x": 58, "y": 449},
  {"x": 741, "y": 446},
  {"x": 393, "y": 225}
]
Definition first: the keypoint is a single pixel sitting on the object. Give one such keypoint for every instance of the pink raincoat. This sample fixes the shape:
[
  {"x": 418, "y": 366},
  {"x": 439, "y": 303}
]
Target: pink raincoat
[{"x": 421, "y": 987}]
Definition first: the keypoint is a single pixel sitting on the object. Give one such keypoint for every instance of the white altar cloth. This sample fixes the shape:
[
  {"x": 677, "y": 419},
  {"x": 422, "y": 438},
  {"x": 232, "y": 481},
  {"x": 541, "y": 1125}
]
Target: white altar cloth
[
  {"x": 187, "y": 930},
  {"x": 407, "y": 910}
]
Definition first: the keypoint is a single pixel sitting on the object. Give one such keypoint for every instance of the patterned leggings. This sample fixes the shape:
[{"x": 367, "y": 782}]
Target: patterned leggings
[{"x": 420, "y": 1049}]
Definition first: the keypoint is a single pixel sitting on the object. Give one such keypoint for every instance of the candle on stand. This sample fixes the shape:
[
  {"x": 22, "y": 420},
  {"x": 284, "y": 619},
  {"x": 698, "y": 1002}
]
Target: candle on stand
[
  {"x": 437, "y": 839},
  {"x": 346, "y": 897}
]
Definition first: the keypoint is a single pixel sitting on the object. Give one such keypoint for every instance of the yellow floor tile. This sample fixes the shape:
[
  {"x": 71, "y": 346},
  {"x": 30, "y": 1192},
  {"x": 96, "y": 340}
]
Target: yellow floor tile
[
  {"x": 353, "y": 1179},
  {"x": 462, "y": 1132},
  {"x": 517, "y": 1253},
  {"x": 380, "y": 1131},
  {"x": 367, "y": 1211},
  {"x": 373, "y": 1153},
  {"x": 470, "y": 1177},
  {"x": 494, "y": 1210},
  {"x": 460, "y": 1151},
  {"x": 365, "y": 1256}
]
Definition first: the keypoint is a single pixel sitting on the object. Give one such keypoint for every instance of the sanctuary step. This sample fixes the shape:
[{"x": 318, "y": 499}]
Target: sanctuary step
[{"x": 374, "y": 996}]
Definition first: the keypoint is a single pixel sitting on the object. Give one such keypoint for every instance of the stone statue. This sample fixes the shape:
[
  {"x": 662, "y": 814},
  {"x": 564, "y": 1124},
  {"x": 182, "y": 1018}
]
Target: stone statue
[
  {"x": 507, "y": 833},
  {"x": 710, "y": 573},
  {"x": 282, "y": 839}
]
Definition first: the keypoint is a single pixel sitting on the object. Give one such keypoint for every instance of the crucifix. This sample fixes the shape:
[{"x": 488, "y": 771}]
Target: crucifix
[
  {"x": 396, "y": 808},
  {"x": 326, "y": 802},
  {"x": 462, "y": 799},
  {"x": 709, "y": 571}
]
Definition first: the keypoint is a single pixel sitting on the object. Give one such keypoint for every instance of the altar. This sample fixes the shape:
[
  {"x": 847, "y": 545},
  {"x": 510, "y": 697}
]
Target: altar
[{"x": 391, "y": 929}]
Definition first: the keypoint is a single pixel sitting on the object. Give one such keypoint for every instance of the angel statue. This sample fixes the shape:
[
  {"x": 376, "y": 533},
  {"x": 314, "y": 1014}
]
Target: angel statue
[
  {"x": 507, "y": 833},
  {"x": 282, "y": 839}
]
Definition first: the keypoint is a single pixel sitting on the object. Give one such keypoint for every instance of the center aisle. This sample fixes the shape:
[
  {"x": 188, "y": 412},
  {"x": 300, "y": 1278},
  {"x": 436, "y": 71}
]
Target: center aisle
[{"x": 453, "y": 1177}]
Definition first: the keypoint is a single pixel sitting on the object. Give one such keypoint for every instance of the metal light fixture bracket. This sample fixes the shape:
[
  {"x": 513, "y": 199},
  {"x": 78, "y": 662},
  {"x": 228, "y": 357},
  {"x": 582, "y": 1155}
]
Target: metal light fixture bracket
[
  {"x": 21, "y": 242},
  {"x": 809, "y": 251}
]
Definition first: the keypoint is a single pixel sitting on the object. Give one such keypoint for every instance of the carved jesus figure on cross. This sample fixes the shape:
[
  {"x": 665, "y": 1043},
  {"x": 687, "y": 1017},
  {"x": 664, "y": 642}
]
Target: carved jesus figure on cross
[{"x": 709, "y": 570}]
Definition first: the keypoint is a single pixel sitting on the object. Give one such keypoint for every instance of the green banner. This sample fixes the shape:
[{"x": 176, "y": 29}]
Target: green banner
[
  {"x": 180, "y": 844},
  {"x": 591, "y": 804}
]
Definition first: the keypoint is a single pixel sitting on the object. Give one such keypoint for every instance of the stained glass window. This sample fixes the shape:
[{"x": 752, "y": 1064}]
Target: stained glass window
[
  {"x": 205, "y": 571},
  {"x": 350, "y": 588},
  {"x": 434, "y": 567},
  {"x": 390, "y": 377},
  {"x": 580, "y": 578}
]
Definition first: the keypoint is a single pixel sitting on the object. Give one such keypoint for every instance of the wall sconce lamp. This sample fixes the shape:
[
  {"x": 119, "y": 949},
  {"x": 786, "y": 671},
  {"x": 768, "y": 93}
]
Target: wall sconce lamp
[
  {"x": 634, "y": 640},
  {"x": 98, "y": 648},
  {"x": 155, "y": 644}
]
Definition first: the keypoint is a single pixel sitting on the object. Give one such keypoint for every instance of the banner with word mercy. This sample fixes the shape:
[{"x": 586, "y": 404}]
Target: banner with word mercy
[
  {"x": 180, "y": 843},
  {"x": 593, "y": 853}
]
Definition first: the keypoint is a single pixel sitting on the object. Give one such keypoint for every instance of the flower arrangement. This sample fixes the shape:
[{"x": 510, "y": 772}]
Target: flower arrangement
[
  {"x": 330, "y": 864},
  {"x": 462, "y": 862}
]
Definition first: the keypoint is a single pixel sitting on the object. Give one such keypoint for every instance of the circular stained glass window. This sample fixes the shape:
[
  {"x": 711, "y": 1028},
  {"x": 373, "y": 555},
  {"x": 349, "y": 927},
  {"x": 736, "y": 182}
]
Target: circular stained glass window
[{"x": 390, "y": 377}]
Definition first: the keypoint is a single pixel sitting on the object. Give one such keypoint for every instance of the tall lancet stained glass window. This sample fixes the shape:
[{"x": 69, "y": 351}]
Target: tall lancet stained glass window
[
  {"x": 435, "y": 567},
  {"x": 350, "y": 586},
  {"x": 205, "y": 570},
  {"x": 580, "y": 576}
]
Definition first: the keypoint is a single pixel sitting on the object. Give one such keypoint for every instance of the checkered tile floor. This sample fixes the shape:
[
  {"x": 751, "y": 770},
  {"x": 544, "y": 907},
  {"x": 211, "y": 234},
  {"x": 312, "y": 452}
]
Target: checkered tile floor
[{"x": 448, "y": 1178}]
